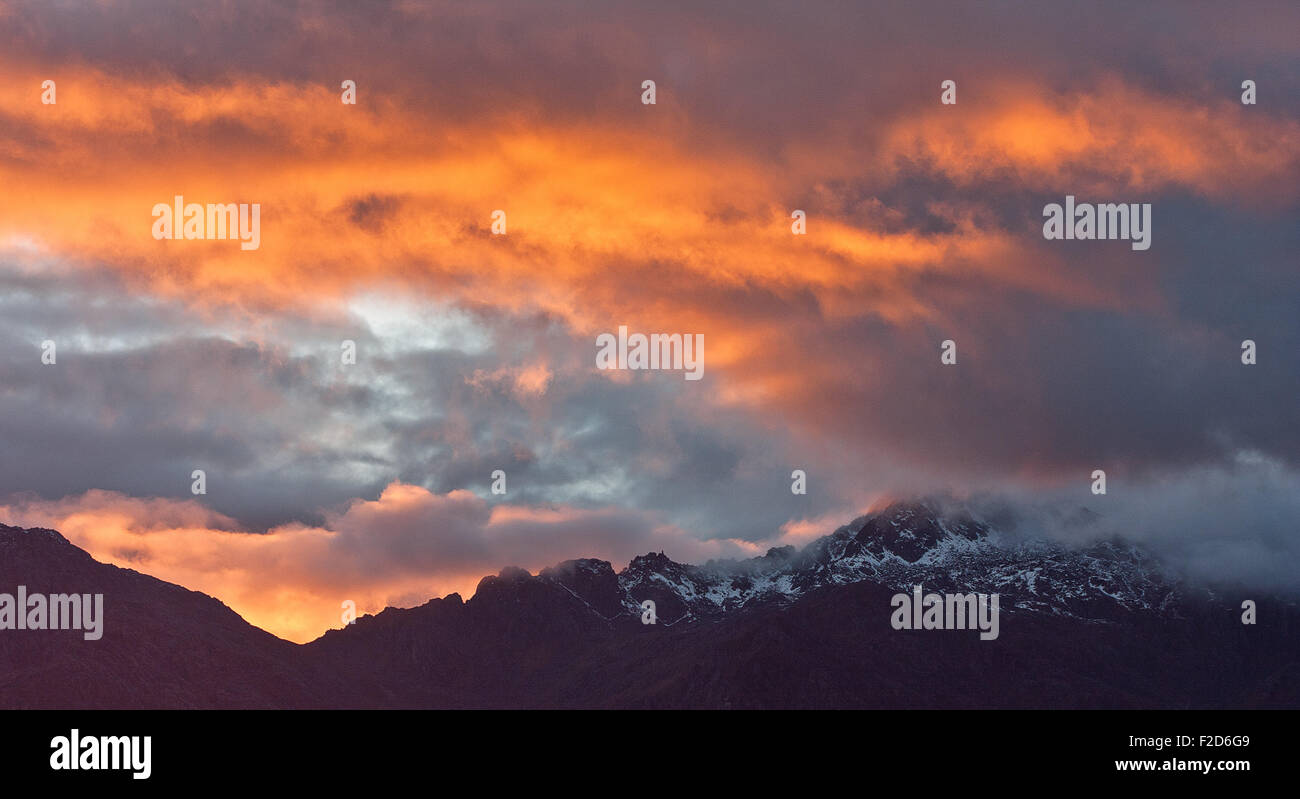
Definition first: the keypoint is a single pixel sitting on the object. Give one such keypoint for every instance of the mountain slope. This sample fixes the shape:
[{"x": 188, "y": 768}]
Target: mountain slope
[
  {"x": 162, "y": 646},
  {"x": 1101, "y": 626}
]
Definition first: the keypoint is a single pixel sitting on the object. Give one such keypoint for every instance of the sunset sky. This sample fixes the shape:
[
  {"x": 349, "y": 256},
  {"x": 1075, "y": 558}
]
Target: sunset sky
[{"x": 475, "y": 352}]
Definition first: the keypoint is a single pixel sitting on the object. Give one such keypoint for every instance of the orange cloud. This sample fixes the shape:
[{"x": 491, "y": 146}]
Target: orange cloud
[
  {"x": 608, "y": 223},
  {"x": 588, "y": 204},
  {"x": 1114, "y": 139}
]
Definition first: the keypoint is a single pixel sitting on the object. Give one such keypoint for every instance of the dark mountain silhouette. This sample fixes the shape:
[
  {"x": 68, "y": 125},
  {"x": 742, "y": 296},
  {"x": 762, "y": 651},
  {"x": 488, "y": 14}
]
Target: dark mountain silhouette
[
  {"x": 162, "y": 645},
  {"x": 1101, "y": 626}
]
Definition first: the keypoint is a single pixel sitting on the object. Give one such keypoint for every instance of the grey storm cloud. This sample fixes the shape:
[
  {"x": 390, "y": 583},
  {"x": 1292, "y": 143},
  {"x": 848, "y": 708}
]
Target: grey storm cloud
[
  {"x": 1226, "y": 524},
  {"x": 140, "y": 398}
]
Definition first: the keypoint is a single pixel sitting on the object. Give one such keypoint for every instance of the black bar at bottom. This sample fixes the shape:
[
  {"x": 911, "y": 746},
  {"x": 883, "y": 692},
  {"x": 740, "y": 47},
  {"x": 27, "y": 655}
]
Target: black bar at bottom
[{"x": 208, "y": 748}]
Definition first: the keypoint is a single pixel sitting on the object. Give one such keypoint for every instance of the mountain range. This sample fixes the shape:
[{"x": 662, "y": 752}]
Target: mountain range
[{"x": 1102, "y": 625}]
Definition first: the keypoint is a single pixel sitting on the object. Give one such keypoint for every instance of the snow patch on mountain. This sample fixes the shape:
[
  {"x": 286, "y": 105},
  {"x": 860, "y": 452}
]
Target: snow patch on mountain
[{"x": 904, "y": 545}]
